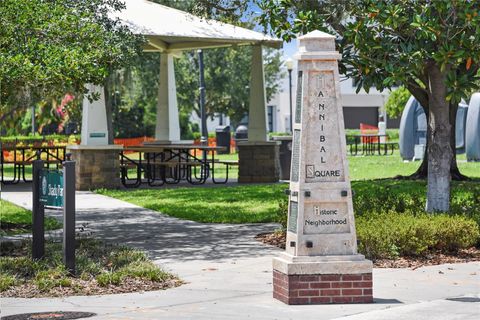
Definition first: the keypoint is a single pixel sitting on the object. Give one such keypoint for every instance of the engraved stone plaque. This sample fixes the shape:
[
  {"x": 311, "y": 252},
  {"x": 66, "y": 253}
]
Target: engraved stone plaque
[
  {"x": 292, "y": 219},
  {"x": 298, "y": 108},
  {"x": 326, "y": 217},
  {"x": 295, "y": 155},
  {"x": 323, "y": 161}
]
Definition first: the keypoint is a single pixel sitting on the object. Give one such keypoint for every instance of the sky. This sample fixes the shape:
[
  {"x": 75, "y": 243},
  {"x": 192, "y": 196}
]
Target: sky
[{"x": 289, "y": 48}]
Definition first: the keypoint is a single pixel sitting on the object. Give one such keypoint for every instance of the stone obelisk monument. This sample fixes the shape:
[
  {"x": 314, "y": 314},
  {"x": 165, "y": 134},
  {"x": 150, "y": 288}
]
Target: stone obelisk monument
[{"x": 321, "y": 263}]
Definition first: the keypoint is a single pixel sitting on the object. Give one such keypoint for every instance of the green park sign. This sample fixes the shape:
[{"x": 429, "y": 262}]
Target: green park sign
[
  {"x": 54, "y": 189},
  {"x": 51, "y": 188}
]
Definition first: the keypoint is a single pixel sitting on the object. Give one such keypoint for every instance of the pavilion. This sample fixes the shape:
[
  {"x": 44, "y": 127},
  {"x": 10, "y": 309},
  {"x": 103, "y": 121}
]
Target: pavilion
[{"x": 171, "y": 31}]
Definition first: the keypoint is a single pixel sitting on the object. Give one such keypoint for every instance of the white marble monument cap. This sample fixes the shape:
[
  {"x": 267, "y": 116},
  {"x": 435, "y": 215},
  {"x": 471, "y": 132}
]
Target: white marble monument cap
[{"x": 316, "y": 41}]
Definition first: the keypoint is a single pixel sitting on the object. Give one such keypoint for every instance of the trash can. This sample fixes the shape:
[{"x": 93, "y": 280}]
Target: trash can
[
  {"x": 223, "y": 139},
  {"x": 241, "y": 134},
  {"x": 71, "y": 128},
  {"x": 285, "y": 155}
]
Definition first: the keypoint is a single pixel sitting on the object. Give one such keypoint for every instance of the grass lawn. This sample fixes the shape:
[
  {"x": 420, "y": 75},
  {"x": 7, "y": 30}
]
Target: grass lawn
[
  {"x": 8, "y": 171},
  {"x": 229, "y": 204},
  {"x": 260, "y": 203},
  {"x": 364, "y": 167},
  {"x": 379, "y": 167},
  {"x": 14, "y": 219},
  {"x": 361, "y": 167}
]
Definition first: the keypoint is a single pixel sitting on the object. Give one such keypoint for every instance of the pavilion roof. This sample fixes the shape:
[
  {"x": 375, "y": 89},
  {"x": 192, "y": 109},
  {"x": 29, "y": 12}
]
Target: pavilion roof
[{"x": 168, "y": 29}]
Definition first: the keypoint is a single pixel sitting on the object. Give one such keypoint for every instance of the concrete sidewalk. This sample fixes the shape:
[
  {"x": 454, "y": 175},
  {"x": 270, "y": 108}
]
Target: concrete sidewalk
[{"x": 229, "y": 274}]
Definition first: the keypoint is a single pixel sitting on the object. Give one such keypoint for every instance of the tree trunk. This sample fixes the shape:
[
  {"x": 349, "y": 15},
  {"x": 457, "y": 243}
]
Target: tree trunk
[
  {"x": 423, "y": 98},
  {"x": 440, "y": 152},
  {"x": 422, "y": 171}
]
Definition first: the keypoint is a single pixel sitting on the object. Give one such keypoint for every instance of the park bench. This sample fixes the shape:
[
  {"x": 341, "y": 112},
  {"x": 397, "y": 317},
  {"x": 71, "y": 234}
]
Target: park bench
[
  {"x": 22, "y": 157},
  {"x": 158, "y": 173},
  {"x": 387, "y": 145},
  {"x": 227, "y": 164},
  {"x": 170, "y": 163}
]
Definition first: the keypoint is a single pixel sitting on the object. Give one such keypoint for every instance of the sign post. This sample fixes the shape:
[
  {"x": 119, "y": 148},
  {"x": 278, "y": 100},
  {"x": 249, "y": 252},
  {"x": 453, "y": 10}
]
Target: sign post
[
  {"x": 38, "y": 214},
  {"x": 69, "y": 215},
  {"x": 54, "y": 189},
  {"x": 321, "y": 263}
]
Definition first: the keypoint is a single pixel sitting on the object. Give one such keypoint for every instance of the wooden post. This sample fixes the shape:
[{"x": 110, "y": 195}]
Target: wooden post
[{"x": 69, "y": 215}]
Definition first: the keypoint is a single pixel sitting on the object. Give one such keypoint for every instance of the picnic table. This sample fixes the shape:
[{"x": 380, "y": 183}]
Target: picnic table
[
  {"x": 369, "y": 144},
  {"x": 22, "y": 157},
  {"x": 159, "y": 164}
]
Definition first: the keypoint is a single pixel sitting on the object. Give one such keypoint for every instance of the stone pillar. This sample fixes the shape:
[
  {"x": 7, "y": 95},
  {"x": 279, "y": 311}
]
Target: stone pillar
[
  {"x": 285, "y": 155},
  {"x": 94, "y": 119},
  {"x": 258, "y": 158},
  {"x": 257, "y": 112},
  {"x": 258, "y": 162},
  {"x": 168, "y": 123},
  {"x": 96, "y": 167},
  {"x": 321, "y": 263}
]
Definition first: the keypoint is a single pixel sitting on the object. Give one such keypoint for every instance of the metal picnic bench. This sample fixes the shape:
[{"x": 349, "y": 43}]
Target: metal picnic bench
[
  {"x": 23, "y": 156},
  {"x": 369, "y": 144},
  {"x": 169, "y": 164}
]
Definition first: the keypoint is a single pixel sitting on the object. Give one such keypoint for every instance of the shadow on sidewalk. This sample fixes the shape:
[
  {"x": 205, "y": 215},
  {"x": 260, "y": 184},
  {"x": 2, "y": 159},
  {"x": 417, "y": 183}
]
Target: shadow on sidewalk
[{"x": 168, "y": 238}]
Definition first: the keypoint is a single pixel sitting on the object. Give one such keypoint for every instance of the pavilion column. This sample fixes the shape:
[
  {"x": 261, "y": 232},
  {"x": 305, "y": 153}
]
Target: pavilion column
[
  {"x": 97, "y": 163},
  {"x": 257, "y": 113},
  {"x": 258, "y": 158},
  {"x": 168, "y": 123},
  {"x": 94, "y": 118}
]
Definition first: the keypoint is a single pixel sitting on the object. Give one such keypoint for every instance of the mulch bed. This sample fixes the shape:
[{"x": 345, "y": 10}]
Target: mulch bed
[
  {"x": 467, "y": 255},
  {"x": 88, "y": 288},
  {"x": 8, "y": 228}
]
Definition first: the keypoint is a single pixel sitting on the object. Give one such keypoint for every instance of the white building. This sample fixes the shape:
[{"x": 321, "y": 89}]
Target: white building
[{"x": 357, "y": 108}]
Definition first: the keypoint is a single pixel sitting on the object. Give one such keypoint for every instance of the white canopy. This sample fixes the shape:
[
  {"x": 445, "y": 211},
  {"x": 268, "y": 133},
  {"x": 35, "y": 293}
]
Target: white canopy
[{"x": 169, "y": 29}]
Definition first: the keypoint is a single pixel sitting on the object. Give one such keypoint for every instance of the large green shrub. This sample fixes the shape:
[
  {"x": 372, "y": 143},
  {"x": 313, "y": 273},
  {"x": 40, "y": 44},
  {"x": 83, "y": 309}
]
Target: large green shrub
[
  {"x": 403, "y": 196},
  {"x": 40, "y": 139},
  {"x": 394, "y": 234},
  {"x": 391, "y": 222}
]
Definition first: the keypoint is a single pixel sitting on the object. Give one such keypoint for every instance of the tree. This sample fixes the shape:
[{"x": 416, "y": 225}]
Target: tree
[
  {"x": 430, "y": 47},
  {"x": 396, "y": 102},
  {"x": 227, "y": 80},
  {"x": 51, "y": 47}
]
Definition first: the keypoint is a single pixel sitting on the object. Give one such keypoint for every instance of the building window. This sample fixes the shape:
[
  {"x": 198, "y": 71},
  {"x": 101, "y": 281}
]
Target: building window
[{"x": 271, "y": 118}]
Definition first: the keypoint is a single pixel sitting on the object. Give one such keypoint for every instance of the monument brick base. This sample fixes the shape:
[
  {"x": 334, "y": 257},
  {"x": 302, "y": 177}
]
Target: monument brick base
[
  {"x": 96, "y": 166},
  {"x": 322, "y": 288},
  {"x": 322, "y": 279}
]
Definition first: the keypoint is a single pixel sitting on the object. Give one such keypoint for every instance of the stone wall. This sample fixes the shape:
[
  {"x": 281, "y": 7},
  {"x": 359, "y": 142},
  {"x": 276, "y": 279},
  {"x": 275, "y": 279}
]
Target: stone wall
[
  {"x": 96, "y": 167},
  {"x": 258, "y": 162},
  {"x": 322, "y": 289}
]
